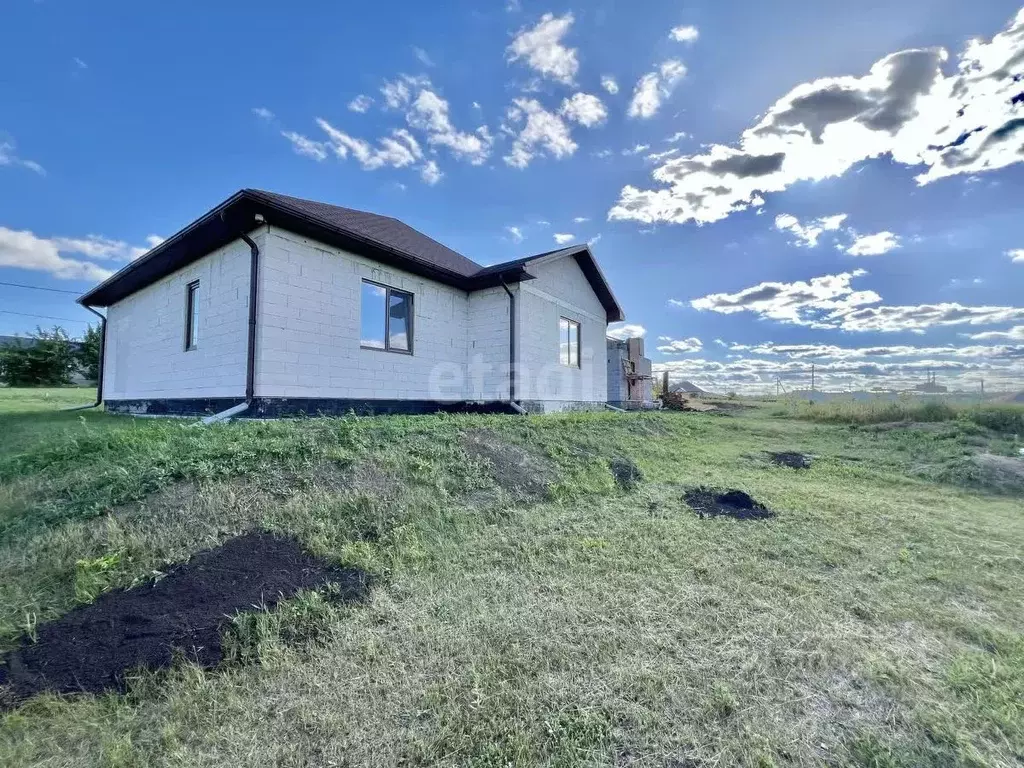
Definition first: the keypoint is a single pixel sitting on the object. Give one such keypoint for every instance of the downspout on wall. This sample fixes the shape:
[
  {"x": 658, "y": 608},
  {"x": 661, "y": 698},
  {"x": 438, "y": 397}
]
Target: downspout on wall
[
  {"x": 511, "y": 347},
  {"x": 99, "y": 369},
  {"x": 250, "y": 354}
]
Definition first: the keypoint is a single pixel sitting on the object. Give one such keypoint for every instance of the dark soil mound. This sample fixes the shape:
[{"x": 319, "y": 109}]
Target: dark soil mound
[
  {"x": 626, "y": 473},
  {"x": 712, "y": 502},
  {"x": 791, "y": 459},
  {"x": 182, "y": 614}
]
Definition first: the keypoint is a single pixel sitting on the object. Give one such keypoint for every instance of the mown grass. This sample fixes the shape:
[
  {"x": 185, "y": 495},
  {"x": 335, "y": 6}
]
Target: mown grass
[{"x": 875, "y": 622}]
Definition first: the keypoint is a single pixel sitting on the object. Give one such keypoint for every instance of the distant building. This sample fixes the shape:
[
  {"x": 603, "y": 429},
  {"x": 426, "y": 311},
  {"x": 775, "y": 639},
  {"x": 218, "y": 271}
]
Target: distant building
[{"x": 931, "y": 387}]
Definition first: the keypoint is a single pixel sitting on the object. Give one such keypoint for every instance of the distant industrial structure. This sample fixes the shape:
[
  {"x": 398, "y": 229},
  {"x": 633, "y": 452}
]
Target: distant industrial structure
[{"x": 931, "y": 387}]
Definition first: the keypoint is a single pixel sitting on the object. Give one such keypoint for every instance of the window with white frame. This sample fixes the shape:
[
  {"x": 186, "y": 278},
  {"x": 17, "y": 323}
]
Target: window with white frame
[
  {"x": 569, "y": 342},
  {"x": 385, "y": 318}
]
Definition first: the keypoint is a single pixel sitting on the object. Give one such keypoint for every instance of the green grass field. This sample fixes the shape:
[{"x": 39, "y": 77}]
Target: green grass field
[{"x": 532, "y": 612}]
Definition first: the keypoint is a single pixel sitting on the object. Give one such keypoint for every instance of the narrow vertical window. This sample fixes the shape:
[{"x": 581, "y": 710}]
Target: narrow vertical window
[
  {"x": 569, "y": 342},
  {"x": 191, "y": 315},
  {"x": 385, "y": 318}
]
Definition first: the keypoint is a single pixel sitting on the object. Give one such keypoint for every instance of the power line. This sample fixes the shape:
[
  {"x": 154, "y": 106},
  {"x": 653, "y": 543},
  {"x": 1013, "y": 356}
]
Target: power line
[
  {"x": 43, "y": 317},
  {"x": 39, "y": 288}
]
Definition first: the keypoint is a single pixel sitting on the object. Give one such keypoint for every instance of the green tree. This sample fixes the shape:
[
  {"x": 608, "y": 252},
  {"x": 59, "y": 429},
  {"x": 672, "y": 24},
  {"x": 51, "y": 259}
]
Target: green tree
[
  {"x": 89, "y": 353},
  {"x": 46, "y": 358}
]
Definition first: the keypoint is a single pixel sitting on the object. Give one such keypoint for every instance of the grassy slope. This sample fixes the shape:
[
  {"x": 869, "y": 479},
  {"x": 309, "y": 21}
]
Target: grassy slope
[{"x": 877, "y": 621}]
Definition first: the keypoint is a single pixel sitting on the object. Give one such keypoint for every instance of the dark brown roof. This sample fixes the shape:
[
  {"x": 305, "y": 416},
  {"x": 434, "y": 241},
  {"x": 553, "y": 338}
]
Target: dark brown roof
[{"x": 381, "y": 238}]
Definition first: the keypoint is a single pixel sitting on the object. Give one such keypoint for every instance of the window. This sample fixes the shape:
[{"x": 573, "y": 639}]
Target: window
[
  {"x": 191, "y": 315},
  {"x": 385, "y": 318},
  {"x": 569, "y": 342}
]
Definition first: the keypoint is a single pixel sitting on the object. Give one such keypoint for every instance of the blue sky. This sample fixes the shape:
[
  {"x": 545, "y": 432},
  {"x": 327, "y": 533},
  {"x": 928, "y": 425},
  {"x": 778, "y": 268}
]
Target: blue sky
[{"x": 805, "y": 182}]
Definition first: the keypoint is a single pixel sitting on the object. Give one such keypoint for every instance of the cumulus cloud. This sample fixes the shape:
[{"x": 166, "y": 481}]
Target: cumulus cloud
[
  {"x": 542, "y": 49},
  {"x": 654, "y": 87},
  {"x": 305, "y": 146},
  {"x": 1016, "y": 255},
  {"x": 1013, "y": 334},
  {"x": 609, "y": 84},
  {"x": 430, "y": 173},
  {"x": 684, "y": 34},
  {"x": 833, "y": 352},
  {"x": 429, "y": 113},
  {"x": 562, "y": 238},
  {"x": 398, "y": 150},
  {"x": 9, "y": 157},
  {"x": 623, "y": 331},
  {"x": 830, "y": 301},
  {"x": 25, "y": 250},
  {"x": 680, "y": 346},
  {"x": 542, "y": 132},
  {"x": 904, "y": 107},
  {"x": 585, "y": 109},
  {"x": 873, "y": 245},
  {"x": 806, "y": 235},
  {"x": 360, "y": 103},
  {"x": 515, "y": 233}
]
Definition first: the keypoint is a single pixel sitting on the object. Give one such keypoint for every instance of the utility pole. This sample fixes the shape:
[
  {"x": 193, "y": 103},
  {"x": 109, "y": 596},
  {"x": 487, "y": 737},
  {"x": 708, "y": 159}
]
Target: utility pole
[{"x": 812, "y": 377}]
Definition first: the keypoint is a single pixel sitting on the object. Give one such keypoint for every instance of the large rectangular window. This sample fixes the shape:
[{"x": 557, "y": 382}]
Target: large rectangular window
[
  {"x": 191, "y": 315},
  {"x": 569, "y": 342},
  {"x": 385, "y": 318}
]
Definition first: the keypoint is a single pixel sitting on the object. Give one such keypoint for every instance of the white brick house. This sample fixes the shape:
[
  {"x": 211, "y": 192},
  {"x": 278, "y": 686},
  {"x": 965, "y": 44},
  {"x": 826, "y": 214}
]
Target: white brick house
[{"x": 351, "y": 311}]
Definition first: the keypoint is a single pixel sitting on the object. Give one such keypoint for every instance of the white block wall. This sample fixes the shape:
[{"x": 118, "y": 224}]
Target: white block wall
[
  {"x": 560, "y": 290},
  {"x": 308, "y": 340},
  {"x": 145, "y": 353},
  {"x": 309, "y": 330}
]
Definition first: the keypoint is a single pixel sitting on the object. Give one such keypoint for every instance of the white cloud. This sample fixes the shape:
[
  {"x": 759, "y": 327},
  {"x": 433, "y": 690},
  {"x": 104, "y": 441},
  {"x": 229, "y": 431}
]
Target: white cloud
[
  {"x": 360, "y": 103},
  {"x": 873, "y": 245},
  {"x": 398, "y": 150},
  {"x": 655, "y": 86},
  {"x": 429, "y": 113},
  {"x": 422, "y": 56},
  {"x": 25, "y": 250},
  {"x": 603, "y": 153},
  {"x": 542, "y": 131},
  {"x": 657, "y": 157},
  {"x": 515, "y": 233},
  {"x": 581, "y": 219},
  {"x": 1013, "y": 334},
  {"x": 1016, "y": 255},
  {"x": 806, "y": 236},
  {"x": 430, "y": 173},
  {"x": 904, "y": 107},
  {"x": 681, "y": 346},
  {"x": 305, "y": 146},
  {"x": 685, "y": 34},
  {"x": 609, "y": 84},
  {"x": 543, "y": 50},
  {"x": 636, "y": 149},
  {"x": 562, "y": 238},
  {"x": 79, "y": 63},
  {"x": 10, "y": 158},
  {"x": 513, "y": 6},
  {"x": 595, "y": 239},
  {"x": 677, "y": 137},
  {"x": 263, "y": 113},
  {"x": 623, "y": 331},
  {"x": 830, "y": 301},
  {"x": 585, "y": 109}
]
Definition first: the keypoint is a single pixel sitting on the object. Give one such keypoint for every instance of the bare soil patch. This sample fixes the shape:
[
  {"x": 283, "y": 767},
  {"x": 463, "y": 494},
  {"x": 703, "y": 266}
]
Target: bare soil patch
[
  {"x": 791, "y": 459},
  {"x": 716, "y": 502},
  {"x": 513, "y": 468},
  {"x": 626, "y": 473},
  {"x": 181, "y": 614}
]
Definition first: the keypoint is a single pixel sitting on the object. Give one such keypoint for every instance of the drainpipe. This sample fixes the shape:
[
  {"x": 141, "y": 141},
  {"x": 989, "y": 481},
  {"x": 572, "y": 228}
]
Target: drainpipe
[
  {"x": 511, "y": 345},
  {"x": 250, "y": 353},
  {"x": 99, "y": 370}
]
